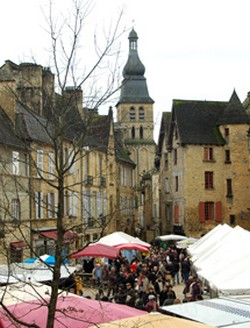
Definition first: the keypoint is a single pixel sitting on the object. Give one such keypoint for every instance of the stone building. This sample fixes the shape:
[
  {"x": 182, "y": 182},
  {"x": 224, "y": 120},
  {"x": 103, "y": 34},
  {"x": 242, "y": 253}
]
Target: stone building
[
  {"x": 205, "y": 166},
  {"x": 54, "y": 149}
]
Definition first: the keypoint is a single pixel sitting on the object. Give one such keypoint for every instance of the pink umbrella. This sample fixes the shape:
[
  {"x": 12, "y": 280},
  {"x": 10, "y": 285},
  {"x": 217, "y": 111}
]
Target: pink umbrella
[
  {"x": 98, "y": 250},
  {"x": 72, "y": 311}
]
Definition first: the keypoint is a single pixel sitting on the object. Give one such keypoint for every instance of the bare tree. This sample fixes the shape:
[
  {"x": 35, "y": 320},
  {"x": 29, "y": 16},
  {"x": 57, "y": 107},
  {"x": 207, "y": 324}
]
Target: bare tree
[{"x": 58, "y": 123}]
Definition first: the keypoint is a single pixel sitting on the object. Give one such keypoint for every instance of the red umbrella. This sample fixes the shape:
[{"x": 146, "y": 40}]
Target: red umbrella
[{"x": 98, "y": 250}]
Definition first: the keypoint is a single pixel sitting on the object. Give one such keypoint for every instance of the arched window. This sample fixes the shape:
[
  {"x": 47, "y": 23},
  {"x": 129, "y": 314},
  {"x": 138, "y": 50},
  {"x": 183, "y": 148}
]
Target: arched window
[
  {"x": 141, "y": 114},
  {"x": 141, "y": 132},
  {"x": 132, "y": 114},
  {"x": 133, "y": 132}
]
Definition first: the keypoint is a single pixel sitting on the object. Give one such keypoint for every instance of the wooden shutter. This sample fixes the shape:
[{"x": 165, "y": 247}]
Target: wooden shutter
[
  {"x": 202, "y": 211},
  {"x": 218, "y": 211},
  {"x": 176, "y": 214}
]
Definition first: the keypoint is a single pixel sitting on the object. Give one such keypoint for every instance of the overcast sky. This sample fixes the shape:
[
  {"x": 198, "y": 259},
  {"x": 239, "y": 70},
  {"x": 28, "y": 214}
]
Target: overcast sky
[{"x": 192, "y": 49}]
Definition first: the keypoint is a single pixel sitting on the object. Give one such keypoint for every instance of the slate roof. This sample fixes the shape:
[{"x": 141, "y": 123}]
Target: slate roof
[
  {"x": 234, "y": 112},
  {"x": 164, "y": 130},
  {"x": 134, "y": 86},
  {"x": 7, "y": 133},
  {"x": 198, "y": 121},
  {"x": 98, "y": 132},
  {"x": 121, "y": 152},
  {"x": 33, "y": 127}
]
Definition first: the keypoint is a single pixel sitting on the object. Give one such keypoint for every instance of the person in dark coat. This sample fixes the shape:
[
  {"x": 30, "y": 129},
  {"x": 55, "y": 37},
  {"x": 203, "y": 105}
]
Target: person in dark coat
[{"x": 130, "y": 295}]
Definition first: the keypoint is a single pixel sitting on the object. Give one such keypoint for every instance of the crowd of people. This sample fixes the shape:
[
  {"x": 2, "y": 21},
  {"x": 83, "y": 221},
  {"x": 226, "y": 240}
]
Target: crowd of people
[{"x": 147, "y": 282}]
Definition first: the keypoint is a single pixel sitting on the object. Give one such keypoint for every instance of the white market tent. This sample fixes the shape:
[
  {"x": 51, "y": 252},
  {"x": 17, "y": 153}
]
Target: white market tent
[
  {"x": 23, "y": 292},
  {"x": 124, "y": 241},
  {"x": 171, "y": 237},
  {"x": 223, "y": 261},
  {"x": 31, "y": 272},
  {"x": 205, "y": 243},
  {"x": 219, "y": 312}
]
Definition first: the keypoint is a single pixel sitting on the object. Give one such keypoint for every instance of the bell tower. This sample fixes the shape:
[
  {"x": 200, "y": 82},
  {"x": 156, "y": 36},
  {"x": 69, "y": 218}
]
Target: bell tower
[{"x": 135, "y": 112}]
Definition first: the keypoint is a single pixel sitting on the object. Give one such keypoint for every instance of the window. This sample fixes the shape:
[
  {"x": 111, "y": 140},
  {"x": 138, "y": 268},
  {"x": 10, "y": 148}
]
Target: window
[
  {"x": 51, "y": 205},
  {"x": 123, "y": 176},
  {"x": 15, "y": 209},
  {"x": 86, "y": 163},
  {"x": 210, "y": 211},
  {"x": 39, "y": 205},
  {"x": 99, "y": 169},
  {"x": 175, "y": 156},
  {"x": 176, "y": 184},
  {"x": 15, "y": 163},
  {"x": 227, "y": 156},
  {"x": 132, "y": 114},
  {"x": 73, "y": 204},
  {"x": 209, "y": 180},
  {"x": 232, "y": 219},
  {"x": 141, "y": 114},
  {"x": 167, "y": 186},
  {"x": 133, "y": 132},
  {"x": 175, "y": 133},
  {"x": 166, "y": 161},
  {"x": 229, "y": 188},
  {"x": 39, "y": 163},
  {"x": 26, "y": 165},
  {"x": 226, "y": 132},
  {"x": 51, "y": 158},
  {"x": 65, "y": 155},
  {"x": 72, "y": 161},
  {"x": 89, "y": 199},
  {"x": 208, "y": 154},
  {"x": 141, "y": 132}
]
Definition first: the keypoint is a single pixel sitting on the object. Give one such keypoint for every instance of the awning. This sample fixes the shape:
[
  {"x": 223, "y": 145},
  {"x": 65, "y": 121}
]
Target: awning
[
  {"x": 69, "y": 235},
  {"x": 50, "y": 234},
  {"x": 18, "y": 244}
]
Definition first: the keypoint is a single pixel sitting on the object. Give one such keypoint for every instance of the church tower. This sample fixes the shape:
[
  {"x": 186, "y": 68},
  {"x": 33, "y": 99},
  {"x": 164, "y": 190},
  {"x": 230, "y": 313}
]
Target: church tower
[{"x": 135, "y": 112}]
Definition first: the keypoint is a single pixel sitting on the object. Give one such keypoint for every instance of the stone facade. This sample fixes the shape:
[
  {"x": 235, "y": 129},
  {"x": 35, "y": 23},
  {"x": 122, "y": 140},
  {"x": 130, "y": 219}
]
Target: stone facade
[
  {"x": 88, "y": 156},
  {"x": 205, "y": 174}
]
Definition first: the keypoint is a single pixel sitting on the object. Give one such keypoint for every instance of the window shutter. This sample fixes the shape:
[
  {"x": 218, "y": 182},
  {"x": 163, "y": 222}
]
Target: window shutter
[
  {"x": 218, "y": 210},
  {"x": 202, "y": 211},
  {"x": 205, "y": 153},
  {"x": 86, "y": 206},
  {"x": 41, "y": 205},
  {"x": 105, "y": 203},
  {"x": 176, "y": 214}
]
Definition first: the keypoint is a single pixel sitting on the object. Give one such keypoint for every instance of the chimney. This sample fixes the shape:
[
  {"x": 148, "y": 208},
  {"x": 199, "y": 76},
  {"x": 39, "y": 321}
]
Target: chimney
[
  {"x": 8, "y": 98},
  {"x": 75, "y": 97}
]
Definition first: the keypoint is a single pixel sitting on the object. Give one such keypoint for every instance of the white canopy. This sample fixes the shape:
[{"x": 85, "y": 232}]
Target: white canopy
[
  {"x": 124, "y": 241},
  {"x": 32, "y": 272},
  {"x": 171, "y": 237},
  {"x": 225, "y": 264},
  {"x": 209, "y": 240},
  {"x": 218, "y": 312}
]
